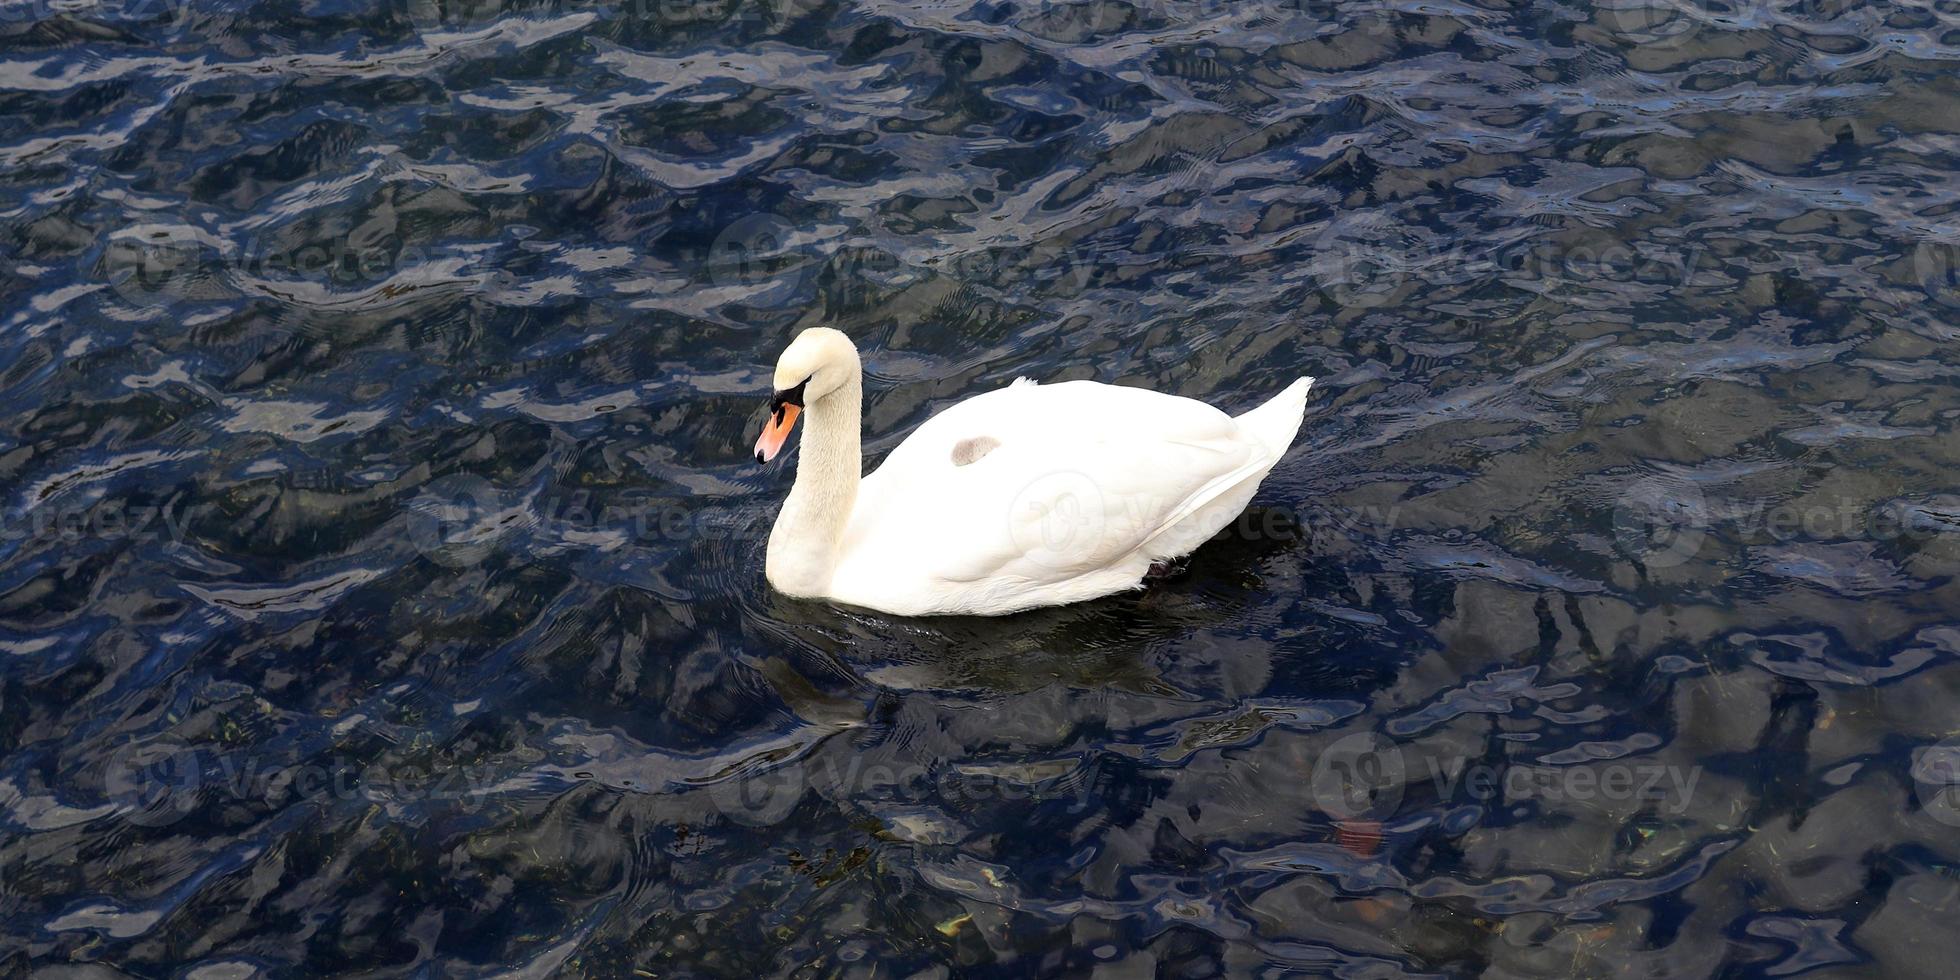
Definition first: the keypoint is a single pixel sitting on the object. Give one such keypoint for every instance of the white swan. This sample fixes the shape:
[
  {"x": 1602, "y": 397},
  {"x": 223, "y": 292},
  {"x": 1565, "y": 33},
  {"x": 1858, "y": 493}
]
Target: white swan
[{"x": 1031, "y": 495}]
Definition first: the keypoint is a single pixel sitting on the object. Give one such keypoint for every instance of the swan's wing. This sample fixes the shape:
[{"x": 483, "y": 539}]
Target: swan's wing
[
  {"x": 1073, "y": 411},
  {"x": 1041, "y": 484}
]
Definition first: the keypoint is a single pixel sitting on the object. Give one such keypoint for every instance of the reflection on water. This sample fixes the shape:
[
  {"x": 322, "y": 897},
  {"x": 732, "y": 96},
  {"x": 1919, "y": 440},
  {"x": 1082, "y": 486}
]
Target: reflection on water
[{"x": 380, "y": 582}]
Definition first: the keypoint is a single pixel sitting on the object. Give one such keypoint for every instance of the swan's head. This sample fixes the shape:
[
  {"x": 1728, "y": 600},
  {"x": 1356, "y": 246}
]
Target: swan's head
[{"x": 818, "y": 362}]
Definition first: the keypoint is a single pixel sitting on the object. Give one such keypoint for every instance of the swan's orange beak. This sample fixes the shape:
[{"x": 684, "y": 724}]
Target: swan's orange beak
[{"x": 775, "y": 432}]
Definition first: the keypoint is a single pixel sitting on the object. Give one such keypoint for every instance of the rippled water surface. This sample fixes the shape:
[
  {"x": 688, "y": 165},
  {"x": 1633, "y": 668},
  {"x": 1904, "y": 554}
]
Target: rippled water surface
[{"x": 380, "y": 585}]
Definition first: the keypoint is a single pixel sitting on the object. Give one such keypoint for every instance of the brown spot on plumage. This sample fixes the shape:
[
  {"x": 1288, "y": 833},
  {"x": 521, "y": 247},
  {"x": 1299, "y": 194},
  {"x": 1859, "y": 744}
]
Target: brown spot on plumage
[{"x": 970, "y": 450}]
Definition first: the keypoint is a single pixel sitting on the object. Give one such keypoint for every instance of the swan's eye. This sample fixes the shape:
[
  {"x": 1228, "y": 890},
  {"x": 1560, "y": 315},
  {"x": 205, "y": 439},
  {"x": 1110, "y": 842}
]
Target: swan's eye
[{"x": 789, "y": 396}]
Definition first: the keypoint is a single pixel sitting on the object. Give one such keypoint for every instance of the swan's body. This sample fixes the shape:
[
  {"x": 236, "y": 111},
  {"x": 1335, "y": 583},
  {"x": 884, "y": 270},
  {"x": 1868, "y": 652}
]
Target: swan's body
[{"x": 1030, "y": 495}]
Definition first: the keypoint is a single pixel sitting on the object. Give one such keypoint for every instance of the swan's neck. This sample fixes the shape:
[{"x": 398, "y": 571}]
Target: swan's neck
[{"x": 809, "y": 534}]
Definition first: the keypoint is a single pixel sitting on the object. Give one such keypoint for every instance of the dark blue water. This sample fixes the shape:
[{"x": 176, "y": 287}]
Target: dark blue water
[{"x": 380, "y": 578}]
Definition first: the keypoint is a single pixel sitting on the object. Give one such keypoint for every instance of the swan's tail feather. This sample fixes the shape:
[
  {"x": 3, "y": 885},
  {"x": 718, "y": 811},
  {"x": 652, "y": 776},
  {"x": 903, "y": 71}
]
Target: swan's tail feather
[
  {"x": 1274, "y": 424},
  {"x": 1277, "y": 422}
]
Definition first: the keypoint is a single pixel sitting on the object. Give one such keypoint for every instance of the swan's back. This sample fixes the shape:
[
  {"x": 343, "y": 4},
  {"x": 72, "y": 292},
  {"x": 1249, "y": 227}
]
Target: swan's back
[
  {"x": 1083, "y": 411},
  {"x": 1036, "y": 494}
]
